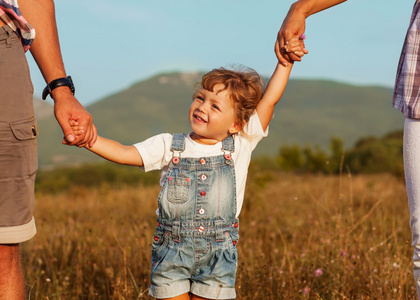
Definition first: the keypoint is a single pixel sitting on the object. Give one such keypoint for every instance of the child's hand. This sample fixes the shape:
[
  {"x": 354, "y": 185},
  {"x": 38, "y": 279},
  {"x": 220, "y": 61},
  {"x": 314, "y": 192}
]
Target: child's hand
[
  {"x": 78, "y": 130},
  {"x": 295, "y": 45}
]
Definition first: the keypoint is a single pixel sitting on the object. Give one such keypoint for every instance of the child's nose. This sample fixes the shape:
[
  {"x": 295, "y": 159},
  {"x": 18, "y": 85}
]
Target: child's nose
[{"x": 202, "y": 107}]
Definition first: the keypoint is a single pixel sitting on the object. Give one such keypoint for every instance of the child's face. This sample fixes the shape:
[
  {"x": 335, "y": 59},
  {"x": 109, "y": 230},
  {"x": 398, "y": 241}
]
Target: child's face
[{"x": 212, "y": 115}]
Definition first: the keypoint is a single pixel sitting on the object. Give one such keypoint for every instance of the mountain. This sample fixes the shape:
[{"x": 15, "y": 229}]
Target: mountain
[{"x": 310, "y": 112}]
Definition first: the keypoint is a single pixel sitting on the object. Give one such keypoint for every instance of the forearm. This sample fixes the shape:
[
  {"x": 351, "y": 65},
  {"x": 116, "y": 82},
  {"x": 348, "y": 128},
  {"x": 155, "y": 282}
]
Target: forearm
[
  {"x": 277, "y": 84},
  {"x": 116, "y": 152},
  {"x": 46, "y": 47},
  {"x": 273, "y": 93},
  {"x": 307, "y": 8}
]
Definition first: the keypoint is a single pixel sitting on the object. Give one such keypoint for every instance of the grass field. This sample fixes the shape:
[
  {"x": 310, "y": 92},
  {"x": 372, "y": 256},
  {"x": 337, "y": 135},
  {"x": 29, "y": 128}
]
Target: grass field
[{"x": 302, "y": 237}]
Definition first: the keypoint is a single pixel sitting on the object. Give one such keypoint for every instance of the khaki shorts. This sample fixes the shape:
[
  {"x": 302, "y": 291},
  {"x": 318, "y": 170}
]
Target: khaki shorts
[{"x": 18, "y": 149}]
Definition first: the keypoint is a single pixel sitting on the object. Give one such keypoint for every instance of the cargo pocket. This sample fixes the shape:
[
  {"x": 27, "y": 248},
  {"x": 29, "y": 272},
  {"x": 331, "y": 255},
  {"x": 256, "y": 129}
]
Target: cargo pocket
[{"x": 25, "y": 133}]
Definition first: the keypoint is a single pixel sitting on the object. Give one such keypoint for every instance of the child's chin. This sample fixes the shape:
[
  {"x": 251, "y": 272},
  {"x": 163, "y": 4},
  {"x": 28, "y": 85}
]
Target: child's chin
[{"x": 197, "y": 130}]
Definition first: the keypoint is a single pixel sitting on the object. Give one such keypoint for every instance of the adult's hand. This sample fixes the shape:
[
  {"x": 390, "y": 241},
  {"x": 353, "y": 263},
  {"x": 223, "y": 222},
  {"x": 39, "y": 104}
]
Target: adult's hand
[
  {"x": 68, "y": 108},
  {"x": 293, "y": 25}
]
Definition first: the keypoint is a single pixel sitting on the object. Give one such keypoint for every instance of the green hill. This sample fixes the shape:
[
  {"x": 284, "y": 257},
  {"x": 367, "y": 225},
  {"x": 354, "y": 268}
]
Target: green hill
[{"x": 310, "y": 112}]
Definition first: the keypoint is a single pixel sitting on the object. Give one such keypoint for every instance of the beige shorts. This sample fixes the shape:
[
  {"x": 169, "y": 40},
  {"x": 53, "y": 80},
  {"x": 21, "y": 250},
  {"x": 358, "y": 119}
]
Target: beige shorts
[{"x": 18, "y": 149}]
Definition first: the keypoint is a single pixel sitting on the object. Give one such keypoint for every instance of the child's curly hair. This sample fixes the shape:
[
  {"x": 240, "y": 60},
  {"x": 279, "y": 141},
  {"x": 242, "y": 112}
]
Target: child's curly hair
[{"x": 244, "y": 86}]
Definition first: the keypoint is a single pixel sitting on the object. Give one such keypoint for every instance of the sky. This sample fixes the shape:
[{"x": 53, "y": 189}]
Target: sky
[{"x": 109, "y": 45}]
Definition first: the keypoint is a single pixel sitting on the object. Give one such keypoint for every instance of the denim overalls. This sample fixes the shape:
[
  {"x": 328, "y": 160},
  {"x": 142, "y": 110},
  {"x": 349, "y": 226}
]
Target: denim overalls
[{"x": 194, "y": 248}]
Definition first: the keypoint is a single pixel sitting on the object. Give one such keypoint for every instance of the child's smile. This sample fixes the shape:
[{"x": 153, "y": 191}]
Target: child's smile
[
  {"x": 199, "y": 119},
  {"x": 212, "y": 115}
]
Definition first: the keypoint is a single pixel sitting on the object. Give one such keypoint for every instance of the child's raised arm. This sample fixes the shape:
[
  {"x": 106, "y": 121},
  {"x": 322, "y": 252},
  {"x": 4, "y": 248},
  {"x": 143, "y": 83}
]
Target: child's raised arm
[{"x": 277, "y": 84}]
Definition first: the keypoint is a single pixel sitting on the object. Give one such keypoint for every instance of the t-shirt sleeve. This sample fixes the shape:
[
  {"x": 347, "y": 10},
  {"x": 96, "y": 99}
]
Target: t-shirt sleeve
[
  {"x": 155, "y": 151},
  {"x": 253, "y": 130}
]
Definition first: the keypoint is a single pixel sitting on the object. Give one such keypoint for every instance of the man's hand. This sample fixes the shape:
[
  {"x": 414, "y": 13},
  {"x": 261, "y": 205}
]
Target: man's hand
[{"x": 67, "y": 109}]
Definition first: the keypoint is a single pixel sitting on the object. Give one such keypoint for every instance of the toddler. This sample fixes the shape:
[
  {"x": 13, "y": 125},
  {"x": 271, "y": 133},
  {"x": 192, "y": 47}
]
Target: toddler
[{"x": 203, "y": 180}]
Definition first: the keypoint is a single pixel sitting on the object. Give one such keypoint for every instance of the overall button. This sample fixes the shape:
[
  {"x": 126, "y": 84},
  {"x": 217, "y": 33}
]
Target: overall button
[
  {"x": 203, "y": 193},
  {"x": 201, "y": 211},
  {"x": 235, "y": 225},
  {"x": 201, "y": 229},
  {"x": 156, "y": 239},
  {"x": 203, "y": 177},
  {"x": 202, "y": 161}
]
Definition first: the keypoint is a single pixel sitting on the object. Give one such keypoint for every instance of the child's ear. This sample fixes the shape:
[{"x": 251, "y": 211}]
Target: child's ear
[{"x": 236, "y": 128}]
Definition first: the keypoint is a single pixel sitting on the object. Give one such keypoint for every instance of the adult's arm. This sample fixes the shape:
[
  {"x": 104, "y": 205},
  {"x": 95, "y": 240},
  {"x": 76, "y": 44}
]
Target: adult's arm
[
  {"x": 294, "y": 24},
  {"x": 47, "y": 54}
]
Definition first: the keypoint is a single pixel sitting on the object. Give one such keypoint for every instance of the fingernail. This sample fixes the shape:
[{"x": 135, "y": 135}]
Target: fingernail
[{"x": 70, "y": 138}]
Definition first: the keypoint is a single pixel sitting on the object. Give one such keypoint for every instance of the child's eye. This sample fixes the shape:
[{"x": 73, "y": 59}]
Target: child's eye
[
  {"x": 216, "y": 107},
  {"x": 199, "y": 98}
]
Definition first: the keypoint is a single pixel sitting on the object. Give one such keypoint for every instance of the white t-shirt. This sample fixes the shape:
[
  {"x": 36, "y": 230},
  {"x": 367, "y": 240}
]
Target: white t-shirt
[{"x": 156, "y": 153}]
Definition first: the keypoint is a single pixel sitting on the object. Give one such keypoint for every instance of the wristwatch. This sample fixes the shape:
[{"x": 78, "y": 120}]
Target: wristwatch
[{"x": 65, "y": 81}]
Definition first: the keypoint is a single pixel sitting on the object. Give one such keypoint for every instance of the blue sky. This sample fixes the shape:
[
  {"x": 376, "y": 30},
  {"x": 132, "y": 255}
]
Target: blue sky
[{"x": 109, "y": 45}]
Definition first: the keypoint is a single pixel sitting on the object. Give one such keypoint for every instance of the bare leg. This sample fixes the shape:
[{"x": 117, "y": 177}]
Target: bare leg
[
  {"x": 12, "y": 286},
  {"x": 185, "y": 296},
  {"x": 412, "y": 179}
]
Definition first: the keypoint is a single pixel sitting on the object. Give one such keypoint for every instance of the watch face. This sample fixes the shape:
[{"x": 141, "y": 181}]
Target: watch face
[{"x": 71, "y": 86}]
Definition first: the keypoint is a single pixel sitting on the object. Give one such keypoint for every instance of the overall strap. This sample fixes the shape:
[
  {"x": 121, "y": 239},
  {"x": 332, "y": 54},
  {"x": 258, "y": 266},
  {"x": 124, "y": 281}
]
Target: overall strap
[
  {"x": 228, "y": 144},
  {"x": 178, "y": 146},
  {"x": 178, "y": 142}
]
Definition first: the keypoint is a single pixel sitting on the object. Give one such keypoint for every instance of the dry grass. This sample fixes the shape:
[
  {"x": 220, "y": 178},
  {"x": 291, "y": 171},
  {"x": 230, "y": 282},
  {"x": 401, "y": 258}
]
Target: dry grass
[{"x": 95, "y": 244}]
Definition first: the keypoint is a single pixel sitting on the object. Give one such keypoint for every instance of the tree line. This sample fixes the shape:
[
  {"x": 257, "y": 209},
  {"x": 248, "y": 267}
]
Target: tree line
[{"x": 368, "y": 155}]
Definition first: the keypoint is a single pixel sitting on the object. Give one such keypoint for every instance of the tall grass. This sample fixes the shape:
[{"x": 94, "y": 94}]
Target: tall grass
[{"x": 302, "y": 237}]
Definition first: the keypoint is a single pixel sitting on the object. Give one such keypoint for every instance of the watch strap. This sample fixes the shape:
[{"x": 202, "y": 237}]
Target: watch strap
[{"x": 65, "y": 81}]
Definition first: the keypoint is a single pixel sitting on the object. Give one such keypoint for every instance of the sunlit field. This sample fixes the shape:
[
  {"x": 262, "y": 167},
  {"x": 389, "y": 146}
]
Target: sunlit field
[{"x": 301, "y": 237}]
